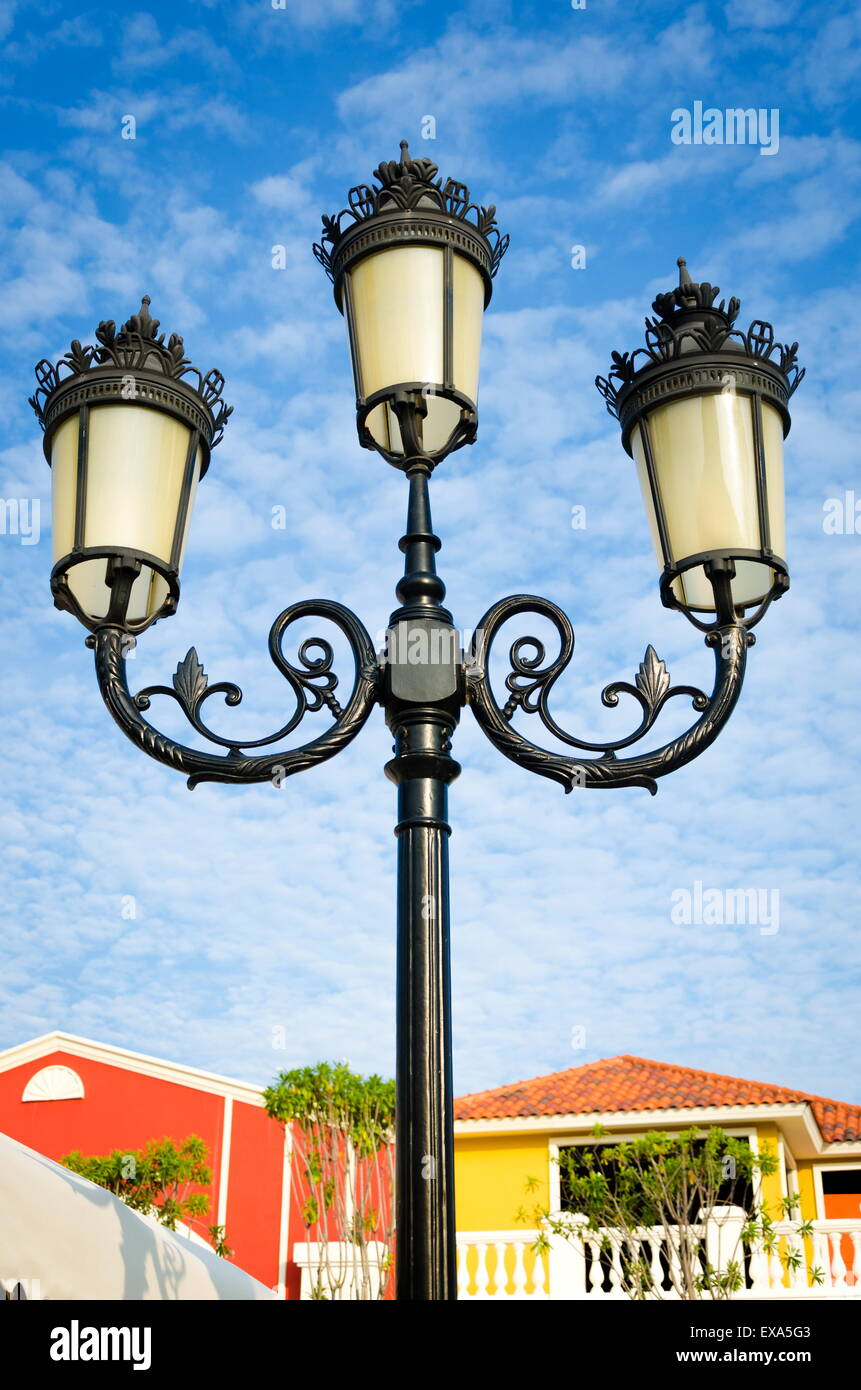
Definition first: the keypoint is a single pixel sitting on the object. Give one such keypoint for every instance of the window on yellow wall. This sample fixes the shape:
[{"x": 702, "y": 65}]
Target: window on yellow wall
[{"x": 735, "y": 1191}]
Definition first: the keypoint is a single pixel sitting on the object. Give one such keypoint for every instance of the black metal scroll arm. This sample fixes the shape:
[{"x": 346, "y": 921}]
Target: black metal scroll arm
[
  {"x": 311, "y": 678},
  {"x": 530, "y": 681}
]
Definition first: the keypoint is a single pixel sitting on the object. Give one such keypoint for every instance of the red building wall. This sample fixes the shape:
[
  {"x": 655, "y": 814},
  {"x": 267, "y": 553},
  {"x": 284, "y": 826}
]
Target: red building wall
[{"x": 254, "y": 1207}]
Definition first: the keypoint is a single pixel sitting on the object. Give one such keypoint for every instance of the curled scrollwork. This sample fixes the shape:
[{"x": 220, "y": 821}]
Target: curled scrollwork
[
  {"x": 532, "y": 677},
  {"x": 311, "y": 678}
]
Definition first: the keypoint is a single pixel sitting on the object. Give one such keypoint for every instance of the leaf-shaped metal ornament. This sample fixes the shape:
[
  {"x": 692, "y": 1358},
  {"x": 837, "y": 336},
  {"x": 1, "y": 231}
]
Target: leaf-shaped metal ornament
[
  {"x": 623, "y": 366},
  {"x": 653, "y": 678},
  {"x": 190, "y": 681},
  {"x": 78, "y": 358}
]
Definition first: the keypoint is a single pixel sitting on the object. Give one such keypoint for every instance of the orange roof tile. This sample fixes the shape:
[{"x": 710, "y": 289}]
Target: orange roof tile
[{"x": 635, "y": 1083}]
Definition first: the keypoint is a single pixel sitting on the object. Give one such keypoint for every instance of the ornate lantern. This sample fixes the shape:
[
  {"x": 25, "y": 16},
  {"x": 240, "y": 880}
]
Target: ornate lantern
[
  {"x": 128, "y": 436},
  {"x": 704, "y": 416},
  {"x": 412, "y": 272}
]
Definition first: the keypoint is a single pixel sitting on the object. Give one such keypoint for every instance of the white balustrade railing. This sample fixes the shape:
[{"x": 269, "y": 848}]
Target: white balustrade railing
[
  {"x": 500, "y": 1264},
  {"x": 592, "y": 1264}
]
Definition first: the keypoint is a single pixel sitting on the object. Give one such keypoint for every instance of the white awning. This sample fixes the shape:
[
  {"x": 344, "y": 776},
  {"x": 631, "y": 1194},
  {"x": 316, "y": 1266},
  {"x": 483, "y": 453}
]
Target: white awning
[{"x": 62, "y": 1237}]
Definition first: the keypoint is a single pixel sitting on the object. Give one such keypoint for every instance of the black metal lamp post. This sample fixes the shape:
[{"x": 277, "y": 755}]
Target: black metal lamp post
[{"x": 129, "y": 425}]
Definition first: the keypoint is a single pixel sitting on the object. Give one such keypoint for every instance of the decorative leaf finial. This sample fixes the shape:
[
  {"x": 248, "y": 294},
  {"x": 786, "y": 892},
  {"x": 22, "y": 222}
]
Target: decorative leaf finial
[
  {"x": 190, "y": 681},
  {"x": 653, "y": 678}
]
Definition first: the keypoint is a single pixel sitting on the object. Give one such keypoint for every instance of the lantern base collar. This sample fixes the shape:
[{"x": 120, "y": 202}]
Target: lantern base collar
[
  {"x": 719, "y": 566},
  {"x": 409, "y": 402},
  {"x": 122, "y": 569}
]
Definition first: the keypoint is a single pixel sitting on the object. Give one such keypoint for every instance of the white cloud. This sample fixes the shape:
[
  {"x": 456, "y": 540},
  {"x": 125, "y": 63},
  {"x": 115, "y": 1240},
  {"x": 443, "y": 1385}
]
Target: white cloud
[
  {"x": 760, "y": 14},
  {"x": 144, "y": 47},
  {"x": 276, "y": 20}
]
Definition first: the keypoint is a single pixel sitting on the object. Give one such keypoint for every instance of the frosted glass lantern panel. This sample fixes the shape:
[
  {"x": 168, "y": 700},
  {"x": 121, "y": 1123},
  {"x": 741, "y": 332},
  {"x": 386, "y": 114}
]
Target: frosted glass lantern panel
[
  {"x": 705, "y": 462},
  {"x": 136, "y": 461},
  {"x": 397, "y": 299},
  {"x": 398, "y": 322}
]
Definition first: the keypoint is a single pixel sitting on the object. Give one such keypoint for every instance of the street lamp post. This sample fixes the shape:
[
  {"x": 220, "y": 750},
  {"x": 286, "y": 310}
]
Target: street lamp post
[{"x": 129, "y": 426}]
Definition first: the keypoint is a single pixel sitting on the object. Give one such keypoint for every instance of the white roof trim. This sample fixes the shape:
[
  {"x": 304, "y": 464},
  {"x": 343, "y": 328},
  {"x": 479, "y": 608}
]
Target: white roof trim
[
  {"x": 624, "y": 1119},
  {"x": 138, "y": 1062}
]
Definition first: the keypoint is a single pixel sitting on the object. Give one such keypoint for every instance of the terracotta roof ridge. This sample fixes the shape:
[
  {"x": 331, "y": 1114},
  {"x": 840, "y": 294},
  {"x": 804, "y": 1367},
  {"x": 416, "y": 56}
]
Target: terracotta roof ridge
[
  {"x": 548, "y": 1076},
  {"x": 746, "y": 1080},
  {"x": 649, "y": 1063}
]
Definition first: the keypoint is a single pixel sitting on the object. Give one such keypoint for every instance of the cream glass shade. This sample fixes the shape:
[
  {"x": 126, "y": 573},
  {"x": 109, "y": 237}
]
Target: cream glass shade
[
  {"x": 705, "y": 461},
  {"x": 412, "y": 324},
  {"x": 136, "y": 465}
]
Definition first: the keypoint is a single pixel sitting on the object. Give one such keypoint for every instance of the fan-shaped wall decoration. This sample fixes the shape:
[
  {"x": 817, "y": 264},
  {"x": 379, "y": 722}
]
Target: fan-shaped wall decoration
[{"x": 54, "y": 1083}]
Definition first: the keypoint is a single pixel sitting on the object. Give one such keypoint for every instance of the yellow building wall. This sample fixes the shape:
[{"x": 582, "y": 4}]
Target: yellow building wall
[
  {"x": 807, "y": 1191},
  {"x": 772, "y": 1189},
  {"x": 490, "y": 1179},
  {"x": 491, "y": 1176}
]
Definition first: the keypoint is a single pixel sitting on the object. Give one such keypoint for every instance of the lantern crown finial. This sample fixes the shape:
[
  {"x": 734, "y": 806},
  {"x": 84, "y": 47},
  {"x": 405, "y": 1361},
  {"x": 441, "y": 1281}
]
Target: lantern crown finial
[
  {"x": 143, "y": 324},
  {"x": 404, "y": 186},
  {"x": 688, "y": 322},
  {"x": 690, "y": 297},
  {"x": 135, "y": 348}
]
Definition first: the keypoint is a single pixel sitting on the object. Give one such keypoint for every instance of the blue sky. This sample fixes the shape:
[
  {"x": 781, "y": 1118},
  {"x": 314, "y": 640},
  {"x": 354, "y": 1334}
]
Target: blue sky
[{"x": 264, "y": 934}]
